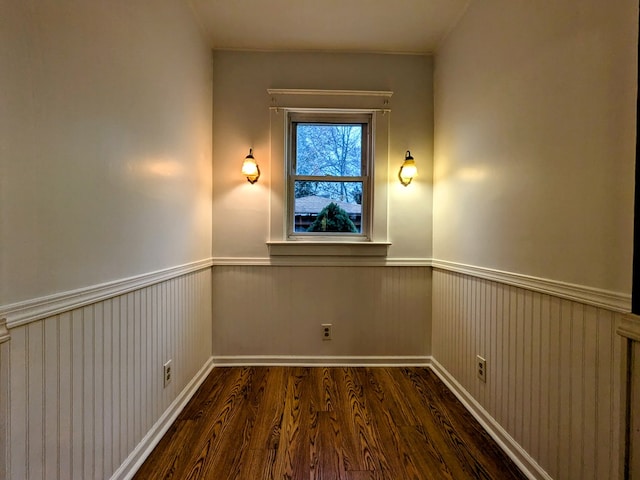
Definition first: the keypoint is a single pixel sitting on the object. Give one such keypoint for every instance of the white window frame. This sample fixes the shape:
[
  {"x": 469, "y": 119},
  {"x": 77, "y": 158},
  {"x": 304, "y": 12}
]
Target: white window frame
[
  {"x": 373, "y": 103},
  {"x": 367, "y": 169}
]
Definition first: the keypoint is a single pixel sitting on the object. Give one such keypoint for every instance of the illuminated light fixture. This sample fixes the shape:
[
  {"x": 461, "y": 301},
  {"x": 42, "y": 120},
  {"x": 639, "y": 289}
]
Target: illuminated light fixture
[
  {"x": 250, "y": 168},
  {"x": 408, "y": 169}
]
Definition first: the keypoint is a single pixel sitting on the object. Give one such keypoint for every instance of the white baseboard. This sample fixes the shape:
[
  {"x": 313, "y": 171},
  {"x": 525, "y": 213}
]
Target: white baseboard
[
  {"x": 506, "y": 442},
  {"x": 316, "y": 361},
  {"x": 130, "y": 466}
]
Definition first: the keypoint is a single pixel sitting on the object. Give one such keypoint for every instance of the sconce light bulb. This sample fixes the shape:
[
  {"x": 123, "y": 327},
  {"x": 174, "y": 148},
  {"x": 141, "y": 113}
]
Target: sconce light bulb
[
  {"x": 409, "y": 169},
  {"x": 249, "y": 167}
]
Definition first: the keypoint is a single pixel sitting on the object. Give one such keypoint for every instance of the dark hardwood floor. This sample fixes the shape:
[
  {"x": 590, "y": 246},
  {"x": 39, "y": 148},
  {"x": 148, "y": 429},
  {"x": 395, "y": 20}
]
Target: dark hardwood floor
[{"x": 326, "y": 423}]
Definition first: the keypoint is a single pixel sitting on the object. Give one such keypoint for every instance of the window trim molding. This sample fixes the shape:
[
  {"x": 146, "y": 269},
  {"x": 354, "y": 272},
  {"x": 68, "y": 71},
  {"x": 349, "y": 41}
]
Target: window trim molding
[{"x": 327, "y": 102}]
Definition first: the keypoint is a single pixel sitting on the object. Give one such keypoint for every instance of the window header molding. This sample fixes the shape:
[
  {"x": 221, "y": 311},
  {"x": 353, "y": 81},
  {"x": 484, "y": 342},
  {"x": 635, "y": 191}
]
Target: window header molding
[
  {"x": 295, "y": 98},
  {"x": 349, "y": 93}
]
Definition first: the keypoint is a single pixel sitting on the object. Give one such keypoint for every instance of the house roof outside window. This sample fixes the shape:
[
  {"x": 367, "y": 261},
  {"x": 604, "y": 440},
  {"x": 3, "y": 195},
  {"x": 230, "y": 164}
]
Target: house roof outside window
[{"x": 314, "y": 204}]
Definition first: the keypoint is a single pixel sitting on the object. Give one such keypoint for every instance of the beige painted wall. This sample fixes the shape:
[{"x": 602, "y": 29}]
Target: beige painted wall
[
  {"x": 241, "y": 121},
  {"x": 105, "y": 142},
  {"x": 535, "y": 140}
]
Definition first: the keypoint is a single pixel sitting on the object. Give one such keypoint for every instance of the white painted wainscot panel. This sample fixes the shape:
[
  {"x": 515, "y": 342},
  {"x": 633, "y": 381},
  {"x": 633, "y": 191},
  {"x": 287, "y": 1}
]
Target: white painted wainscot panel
[
  {"x": 273, "y": 314},
  {"x": 553, "y": 372},
  {"x": 82, "y": 389}
]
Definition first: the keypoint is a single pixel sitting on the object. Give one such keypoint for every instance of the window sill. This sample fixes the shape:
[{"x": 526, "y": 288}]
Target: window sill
[{"x": 328, "y": 248}]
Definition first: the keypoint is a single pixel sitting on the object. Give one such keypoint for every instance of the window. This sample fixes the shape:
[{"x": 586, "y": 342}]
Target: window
[
  {"x": 329, "y": 166},
  {"x": 362, "y": 112}
]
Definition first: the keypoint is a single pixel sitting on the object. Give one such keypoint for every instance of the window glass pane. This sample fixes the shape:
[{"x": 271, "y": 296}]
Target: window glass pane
[
  {"x": 329, "y": 149},
  {"x": 328, "y": 207}
]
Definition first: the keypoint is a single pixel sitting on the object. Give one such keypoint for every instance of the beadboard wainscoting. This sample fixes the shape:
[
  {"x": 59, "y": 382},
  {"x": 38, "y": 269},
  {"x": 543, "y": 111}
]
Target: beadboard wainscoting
[
  {"x": 4, "y": 408},
  {"x": 629, "y": 329},
  {"x": 273, "y": 314},
  {"x": 553, "y": 389},
  {"x": 83, "y": 390}
]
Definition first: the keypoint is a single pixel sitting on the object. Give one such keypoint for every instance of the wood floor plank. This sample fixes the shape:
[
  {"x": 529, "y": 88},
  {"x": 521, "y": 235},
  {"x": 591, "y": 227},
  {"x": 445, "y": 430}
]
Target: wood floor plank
[
  {"x": 177, "y": 443},
  {"x": 325, "y": 392},
  {"x": 357, "y": 416},
  {"x": 212, "y": 429},
  {"x": 293, "y": 460},
  {"x": 425, "y": 455},
  {"x": 208, "y": 393},
  {"x": 325, "y": 450},
  {"x": 364, "y": 475},
  {"x": 479, "y": 442},
  {"x": 466, "y": 440},
  {"x": 266, "y": 432},
  {"x": 258, "y": 465},
  {"x": 352, "y": 457},
  {"x": 392, "y": 380},
  {"x": 172, "y": 445},
  {"x": 233, "y": 448},
  {"x": 438, "y": 426},
  {"x": 326, "y": 423},
  {"x": 265, "y": 435},
  {"x": 434, "y": 442},
  {"x": 423, "y": 449},
  {"x": 386, "y": 420}
]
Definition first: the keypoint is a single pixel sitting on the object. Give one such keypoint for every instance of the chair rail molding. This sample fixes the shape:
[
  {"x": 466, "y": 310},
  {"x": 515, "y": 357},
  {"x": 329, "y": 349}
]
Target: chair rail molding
[
  {"x": 615, "y": 301},
  {"x": 322, "y": 261},
  {"x": 22, "y": 313}
]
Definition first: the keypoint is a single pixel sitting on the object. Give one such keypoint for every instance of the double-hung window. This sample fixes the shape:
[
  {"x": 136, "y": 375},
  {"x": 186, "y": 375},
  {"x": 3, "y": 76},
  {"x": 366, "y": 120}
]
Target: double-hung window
[{"x": 329, "y": 175}]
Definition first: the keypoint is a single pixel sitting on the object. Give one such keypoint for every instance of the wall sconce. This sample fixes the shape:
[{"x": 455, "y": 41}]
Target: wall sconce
[
  {"x": 250, "y": 168},
  {"x": 408, "y": 169}
]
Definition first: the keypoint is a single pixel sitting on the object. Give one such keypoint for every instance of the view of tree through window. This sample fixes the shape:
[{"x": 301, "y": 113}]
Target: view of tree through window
[{"x": 328, "y": 170}]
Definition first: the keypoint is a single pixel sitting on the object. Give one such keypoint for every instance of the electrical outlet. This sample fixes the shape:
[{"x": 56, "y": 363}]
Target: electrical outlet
[
  {"x": 326, "y": 331},
  {"x": 167, "y": 372},
  {"x": 481, "y": 368}
]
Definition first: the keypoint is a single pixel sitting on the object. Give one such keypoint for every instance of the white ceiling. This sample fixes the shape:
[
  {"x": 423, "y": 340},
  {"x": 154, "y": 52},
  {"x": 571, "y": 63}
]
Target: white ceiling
[{"x": 394, "y": 26}]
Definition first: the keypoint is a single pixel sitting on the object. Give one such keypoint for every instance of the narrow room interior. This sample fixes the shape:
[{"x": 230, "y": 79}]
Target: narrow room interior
[{"x": 138, "y": 263}]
